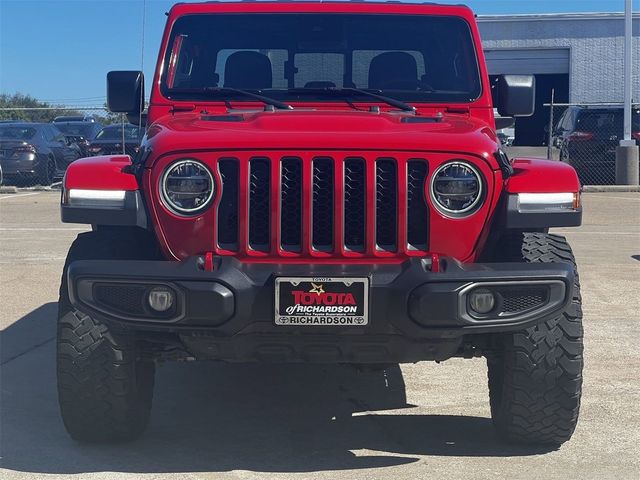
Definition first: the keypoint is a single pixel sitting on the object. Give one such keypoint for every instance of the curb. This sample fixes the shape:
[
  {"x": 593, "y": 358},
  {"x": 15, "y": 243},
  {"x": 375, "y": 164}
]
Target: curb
[{"x": 610, "y": 188}]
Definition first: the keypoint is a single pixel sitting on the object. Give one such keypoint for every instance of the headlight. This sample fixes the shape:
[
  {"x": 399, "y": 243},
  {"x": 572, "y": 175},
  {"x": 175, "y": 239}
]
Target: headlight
[
  {"x": 456, "y": 189},
  {"x": 187, "y": 187}
]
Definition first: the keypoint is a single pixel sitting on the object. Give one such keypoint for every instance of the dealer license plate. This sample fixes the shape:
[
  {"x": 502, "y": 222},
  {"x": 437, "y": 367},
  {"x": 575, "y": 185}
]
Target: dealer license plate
[{"x": 322, "y": 301}]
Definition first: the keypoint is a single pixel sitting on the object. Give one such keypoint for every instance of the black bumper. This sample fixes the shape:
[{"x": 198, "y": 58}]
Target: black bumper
[{"x": 228, "y": 313}]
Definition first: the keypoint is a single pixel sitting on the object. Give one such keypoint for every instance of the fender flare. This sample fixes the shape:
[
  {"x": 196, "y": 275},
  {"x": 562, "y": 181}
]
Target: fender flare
[
  {"x": 542, "y": 194},
  {"x": 102, "y": 190}
]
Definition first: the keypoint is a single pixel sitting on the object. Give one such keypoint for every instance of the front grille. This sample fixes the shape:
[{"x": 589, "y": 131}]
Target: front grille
[
  {"x": 322, "y": 204},
  {"x": 323, "y": 216},
  {"x": 259, "y": 204},
  {"x": 417, "y": 211},
  {"x": 354, "y": 204},
  {"x": 228, "y": 208},
  {"x": 291, "y": 204},
  {"x": 386, "y": 203}
]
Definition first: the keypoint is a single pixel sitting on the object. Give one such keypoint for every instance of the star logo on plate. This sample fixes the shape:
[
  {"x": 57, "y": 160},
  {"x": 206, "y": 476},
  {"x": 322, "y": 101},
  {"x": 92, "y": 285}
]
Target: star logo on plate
[{"x": 317, "y": 289}]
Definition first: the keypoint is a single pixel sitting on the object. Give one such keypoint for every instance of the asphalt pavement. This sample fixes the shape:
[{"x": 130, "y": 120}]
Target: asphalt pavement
[{"x": 423, "y": 421}]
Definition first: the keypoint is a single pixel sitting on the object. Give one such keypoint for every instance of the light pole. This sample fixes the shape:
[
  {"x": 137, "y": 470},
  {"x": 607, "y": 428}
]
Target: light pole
[{"x": 627, "y": 168}]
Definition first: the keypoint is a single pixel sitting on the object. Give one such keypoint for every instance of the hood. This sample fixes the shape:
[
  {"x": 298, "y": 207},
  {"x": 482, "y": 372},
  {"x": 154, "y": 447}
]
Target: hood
[{"x": 327, "y": 130}]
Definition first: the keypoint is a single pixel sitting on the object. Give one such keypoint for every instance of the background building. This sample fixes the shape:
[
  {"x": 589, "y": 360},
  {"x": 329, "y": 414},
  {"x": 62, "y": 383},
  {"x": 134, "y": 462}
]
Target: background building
[{"x": 579, "y": 56}]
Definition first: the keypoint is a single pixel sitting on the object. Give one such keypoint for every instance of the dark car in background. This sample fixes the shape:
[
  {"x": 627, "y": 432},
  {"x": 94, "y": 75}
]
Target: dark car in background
[
  {"x": 36, "y": 152},
  {"x": 587, "y": 138},
  {"x": 74, "y": 118},
  {"x": 80, "y": 133},
  {"x": 110, "y": 140}
]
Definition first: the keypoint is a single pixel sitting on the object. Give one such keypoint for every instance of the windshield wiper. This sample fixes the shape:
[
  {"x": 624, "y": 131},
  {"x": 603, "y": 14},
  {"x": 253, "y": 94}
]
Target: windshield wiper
[
  {"x": 356, "y": 91},
  {"x": 227, "y": 90}
]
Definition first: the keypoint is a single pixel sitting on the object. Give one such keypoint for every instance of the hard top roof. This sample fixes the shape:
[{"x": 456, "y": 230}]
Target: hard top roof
[{"x": 319, "y": 6}]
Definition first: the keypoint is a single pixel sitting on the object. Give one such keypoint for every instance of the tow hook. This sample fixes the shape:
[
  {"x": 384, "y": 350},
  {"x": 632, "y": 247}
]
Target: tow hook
[
  {"x": 435, "y": 262},
  {"x": 206, "y": 262},
  {"x": 432, "y": 263}
]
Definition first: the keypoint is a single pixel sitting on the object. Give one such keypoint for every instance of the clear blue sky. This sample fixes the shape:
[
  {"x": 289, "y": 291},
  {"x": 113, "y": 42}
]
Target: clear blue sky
[{"x": 61, "y": 50}]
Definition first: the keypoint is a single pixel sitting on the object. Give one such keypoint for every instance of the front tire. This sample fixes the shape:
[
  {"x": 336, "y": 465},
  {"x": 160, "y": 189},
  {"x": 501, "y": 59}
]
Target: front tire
[
  {"x": 104, "y": 388},
  {"x": 535, "y": 375}
]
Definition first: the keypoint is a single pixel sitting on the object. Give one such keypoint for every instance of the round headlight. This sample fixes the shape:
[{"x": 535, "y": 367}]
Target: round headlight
[
  {"x": 456, "y": 189},
  {"x": 187, "y": 187}
]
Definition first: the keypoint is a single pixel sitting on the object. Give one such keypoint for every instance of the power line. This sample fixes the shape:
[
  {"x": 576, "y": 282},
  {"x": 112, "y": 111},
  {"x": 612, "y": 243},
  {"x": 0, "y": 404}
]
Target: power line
[
  {"x": 82, "y": 107},
  {"x": 76, "y": 99}
]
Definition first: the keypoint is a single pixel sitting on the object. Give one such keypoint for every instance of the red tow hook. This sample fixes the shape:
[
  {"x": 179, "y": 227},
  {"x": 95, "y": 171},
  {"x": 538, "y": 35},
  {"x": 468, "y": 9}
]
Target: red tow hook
[
  {"x": 435, "y": 262},
  {"x": 207, "y": 266}
]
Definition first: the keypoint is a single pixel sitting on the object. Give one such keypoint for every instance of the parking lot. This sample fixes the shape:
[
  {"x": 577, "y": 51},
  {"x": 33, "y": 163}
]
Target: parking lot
[{"x": 244, "y": 421}]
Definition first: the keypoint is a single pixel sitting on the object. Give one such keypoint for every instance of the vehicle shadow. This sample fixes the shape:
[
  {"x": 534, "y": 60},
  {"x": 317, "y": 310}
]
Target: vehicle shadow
[{"x": 210, "y": 417}]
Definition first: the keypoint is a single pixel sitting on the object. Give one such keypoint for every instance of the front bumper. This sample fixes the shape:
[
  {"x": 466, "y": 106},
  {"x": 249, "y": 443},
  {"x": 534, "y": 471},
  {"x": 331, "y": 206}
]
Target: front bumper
[{"x": 228, "y": 313}]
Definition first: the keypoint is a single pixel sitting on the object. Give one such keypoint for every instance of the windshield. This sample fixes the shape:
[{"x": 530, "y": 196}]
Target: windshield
[
  {"x": 115, "y": 133},
  {"x": 17, "y": 133},
  {"x": 409, "y": 58},
  {"x": 70, "y": 129}
]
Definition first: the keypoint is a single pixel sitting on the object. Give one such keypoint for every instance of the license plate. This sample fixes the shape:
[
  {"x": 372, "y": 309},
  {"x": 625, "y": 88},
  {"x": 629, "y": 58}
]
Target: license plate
[{"x": 322, "y": 301}]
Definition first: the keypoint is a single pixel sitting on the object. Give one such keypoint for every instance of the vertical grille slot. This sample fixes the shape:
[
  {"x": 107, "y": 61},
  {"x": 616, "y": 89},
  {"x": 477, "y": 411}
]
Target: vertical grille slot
[
  {"x": 354, "y": 204},
  {"x": 291, "y": 204},
  {"x": 417, "y": 209},
  {"x": 259, "y": 203},
  {"x": 322, "y": 209},
  {"x": 386, "y": 203},
  {"x": 228, "y": 208}
]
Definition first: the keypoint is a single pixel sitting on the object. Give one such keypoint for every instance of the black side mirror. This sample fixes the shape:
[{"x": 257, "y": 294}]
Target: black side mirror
[
  {"x": 516, "y": 95},
  {"x": 125, "y": 91}
]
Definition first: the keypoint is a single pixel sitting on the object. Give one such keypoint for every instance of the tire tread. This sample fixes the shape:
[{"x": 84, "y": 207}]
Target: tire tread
[
  {"x": 104, "y": 390},
  {"x": 536, "y": 383}
]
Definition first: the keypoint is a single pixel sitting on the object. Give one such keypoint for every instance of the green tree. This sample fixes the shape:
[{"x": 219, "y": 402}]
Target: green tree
[{"x": 21, "y": 107}]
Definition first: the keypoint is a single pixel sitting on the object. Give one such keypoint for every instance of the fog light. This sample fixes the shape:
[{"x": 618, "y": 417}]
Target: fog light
[
  {"x": 482, "y": 301},
  {"x": 161, "y": 298}
]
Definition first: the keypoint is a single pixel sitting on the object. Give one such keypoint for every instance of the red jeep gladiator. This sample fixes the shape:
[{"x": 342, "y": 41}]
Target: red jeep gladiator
[{"x": 320, "y": 182}]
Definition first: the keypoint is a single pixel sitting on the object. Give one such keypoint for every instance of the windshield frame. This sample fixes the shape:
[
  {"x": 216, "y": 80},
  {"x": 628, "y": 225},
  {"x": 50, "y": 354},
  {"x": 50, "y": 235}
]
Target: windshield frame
[{"x": 478, "y": 95}]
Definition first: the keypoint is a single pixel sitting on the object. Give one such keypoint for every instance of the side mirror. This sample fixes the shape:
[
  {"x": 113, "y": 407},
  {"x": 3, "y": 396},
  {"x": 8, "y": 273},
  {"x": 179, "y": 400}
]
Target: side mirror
[
  {"x": 516, "y": 95},
  {"x": 125, "y": 91}
]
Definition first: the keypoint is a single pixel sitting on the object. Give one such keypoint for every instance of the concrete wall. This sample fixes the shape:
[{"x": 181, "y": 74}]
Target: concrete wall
[{"x": 596, "y": 43}]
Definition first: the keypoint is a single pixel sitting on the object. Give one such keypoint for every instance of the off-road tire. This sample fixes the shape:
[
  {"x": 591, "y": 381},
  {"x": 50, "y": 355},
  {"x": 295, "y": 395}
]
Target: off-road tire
[
  {"x": 104, "y": 389},
  {"x": 535, "y": 376}
]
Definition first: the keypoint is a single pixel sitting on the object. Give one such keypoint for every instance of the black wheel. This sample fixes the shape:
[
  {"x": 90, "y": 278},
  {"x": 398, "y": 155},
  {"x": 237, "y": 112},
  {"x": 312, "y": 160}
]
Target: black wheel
[
  {"x": 104, "y": 388},
  {"x": 535, "y": 376},
  {"x": 47, "y": 172}
]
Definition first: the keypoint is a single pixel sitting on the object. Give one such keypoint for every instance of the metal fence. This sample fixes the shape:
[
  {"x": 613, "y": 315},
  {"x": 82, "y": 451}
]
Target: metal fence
[
  {"x": 37, "y": 144},
  {"x": 586, "y": 136}
]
